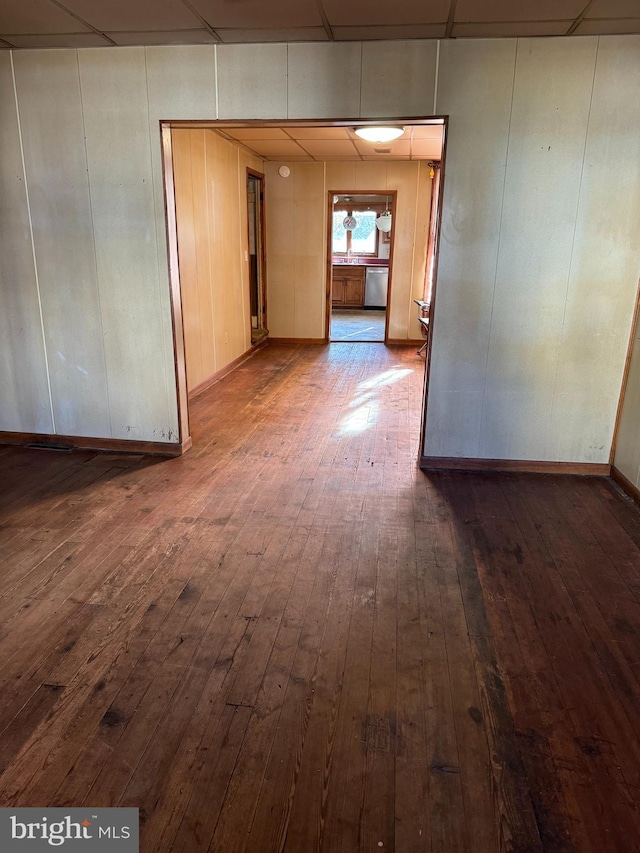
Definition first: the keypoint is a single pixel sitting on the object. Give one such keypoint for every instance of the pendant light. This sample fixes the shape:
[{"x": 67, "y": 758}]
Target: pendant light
[{"x": 383, "y": 222}]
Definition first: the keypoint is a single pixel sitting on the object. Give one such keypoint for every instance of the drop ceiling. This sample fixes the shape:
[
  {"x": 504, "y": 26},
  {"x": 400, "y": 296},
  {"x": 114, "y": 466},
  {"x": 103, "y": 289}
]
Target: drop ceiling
[
  {"x": 93, "y": 23},
  {"x": 296, "y": 143}
]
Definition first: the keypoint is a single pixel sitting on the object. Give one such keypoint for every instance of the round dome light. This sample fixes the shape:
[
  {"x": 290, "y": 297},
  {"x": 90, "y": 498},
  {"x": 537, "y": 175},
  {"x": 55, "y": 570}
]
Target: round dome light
[{"x": 379, "y": 134}]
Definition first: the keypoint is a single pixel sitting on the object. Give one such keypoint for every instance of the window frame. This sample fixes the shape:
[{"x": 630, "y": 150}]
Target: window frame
[{"x": 351, "y": 211}]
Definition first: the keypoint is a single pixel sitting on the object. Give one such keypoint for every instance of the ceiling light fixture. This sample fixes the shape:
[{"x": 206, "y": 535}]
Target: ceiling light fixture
[{"x": 379, "y": 134}]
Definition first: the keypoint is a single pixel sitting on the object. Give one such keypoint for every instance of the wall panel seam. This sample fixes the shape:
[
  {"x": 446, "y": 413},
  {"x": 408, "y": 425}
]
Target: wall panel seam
[
  {"x": 33, "y": 245},
  {"x": 573, "y": 240},
  {"x": 497, "y": 261}
]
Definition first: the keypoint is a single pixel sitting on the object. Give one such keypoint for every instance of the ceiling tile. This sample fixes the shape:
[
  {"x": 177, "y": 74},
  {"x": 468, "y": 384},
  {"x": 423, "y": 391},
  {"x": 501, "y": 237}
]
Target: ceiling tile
[
  {"x": 518, "y": 10},
  {"x": 164, "y": 37},
  {"x": 357, "y": 12},
  {"x": 250, "y": 14},
  {"x": 236, "y": 36},
  {"x": 277, "y": 148},
  {"x": 511, "y": 30},
  {"x": 36, "y": 16},
  {"x": 317, "y": 132},
  {"x": 399, "y": 147},
  {"x": 426, "y": 148},
  {"x": 60, "y": 40},
  {"x": 393, "y": 33},
  {"x": 427, "y": 131},
  {"x": 320, "y": 148},
  {"x": 245, "y": 133},
  {"x": 614, "y": 9},
  {"x": 388, "y": 157},
  {"x": 609, "y": 28},
  {"x": 142, "y": 15}
]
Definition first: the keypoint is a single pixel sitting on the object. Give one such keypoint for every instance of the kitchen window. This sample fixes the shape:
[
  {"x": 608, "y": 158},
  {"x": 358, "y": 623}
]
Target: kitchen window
[{"x": 361, "y": 240}]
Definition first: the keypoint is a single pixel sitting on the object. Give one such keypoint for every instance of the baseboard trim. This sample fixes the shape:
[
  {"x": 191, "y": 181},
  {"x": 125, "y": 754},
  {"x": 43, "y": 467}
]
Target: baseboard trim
[
  {"x": 226, "y": 370},
  {"x": 110, "y": 445},
  {"x": 404, "y": 342},
  {"x": 523, "y": 466},
  {"x": 296, "y": 340},
  {"x": 625, "y": 484}
]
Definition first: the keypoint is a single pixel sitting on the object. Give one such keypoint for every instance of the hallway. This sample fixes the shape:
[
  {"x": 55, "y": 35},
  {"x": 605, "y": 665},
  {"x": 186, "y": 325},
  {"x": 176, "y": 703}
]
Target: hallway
[{"x": 291, "y": 639}]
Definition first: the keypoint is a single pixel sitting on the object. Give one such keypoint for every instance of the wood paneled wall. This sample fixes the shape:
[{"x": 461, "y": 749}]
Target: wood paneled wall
[
  {"x": 296, "y": 217},
  {"x": 210, "y": 177},
  {"x": 540, "y": 250}
]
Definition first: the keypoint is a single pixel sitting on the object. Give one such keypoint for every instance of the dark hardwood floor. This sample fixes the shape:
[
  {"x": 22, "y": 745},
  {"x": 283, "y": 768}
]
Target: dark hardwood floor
[{"x": 291, "y": 639}]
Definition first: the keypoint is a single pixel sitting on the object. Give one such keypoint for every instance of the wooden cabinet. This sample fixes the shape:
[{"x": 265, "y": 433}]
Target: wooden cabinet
[{"x": 347, "y": 290}]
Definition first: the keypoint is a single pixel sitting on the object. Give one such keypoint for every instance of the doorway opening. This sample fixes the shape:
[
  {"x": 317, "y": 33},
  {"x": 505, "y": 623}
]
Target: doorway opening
[
  {"x": 360, "y": 253},
  {"x": 257, "y": 278}
]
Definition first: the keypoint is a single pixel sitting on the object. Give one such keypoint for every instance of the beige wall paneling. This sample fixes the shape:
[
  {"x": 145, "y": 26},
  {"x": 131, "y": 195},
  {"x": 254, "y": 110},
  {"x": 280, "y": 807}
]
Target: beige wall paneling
[
  {"x": 341, "y": 176},
  {"x": 48, "y": 89},
  {"x": 114, "y": 95},
  {"x": 186, "y": 220},
  {"x": 204, "y": 167},
  {"x": 281, "y": 277},
  {"x": 605, "y": 264},
  {"x": 423, "y": 214},
  {"x": 210, "y": 180},
  {"x": 230, "y": 313},
  {"x": 371, "y": 176},
  {"x": 324, "y": 80},
  {"x": 297, "y": 267},
  {"x": 475, "y": 83},
  {"x": 252, "y": 81},
  {"x": 403, "y": 177},
  {"x": 398, "y": 78},
  {"x": 181, "y": 83},
  {"x": 24, "y": 390},
  {"x": 310, "y": 245},
  {"x": 627, "y": 458},
  {"x": 552, "y": 93}
]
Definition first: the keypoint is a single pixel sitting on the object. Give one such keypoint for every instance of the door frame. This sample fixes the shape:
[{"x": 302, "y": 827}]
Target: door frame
[
  {"x": 262, "y": 263},
  {"x": 390, "y": 194},
  {"x": 175, "y": 294}
]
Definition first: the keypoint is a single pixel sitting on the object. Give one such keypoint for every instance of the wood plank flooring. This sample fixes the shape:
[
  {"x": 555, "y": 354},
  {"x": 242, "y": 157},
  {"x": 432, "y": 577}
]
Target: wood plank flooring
[{"x": 291, "y": 639}]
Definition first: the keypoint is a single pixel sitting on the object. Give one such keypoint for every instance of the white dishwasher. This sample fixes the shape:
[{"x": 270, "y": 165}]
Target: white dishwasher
[{"x": 376, "y": 284}]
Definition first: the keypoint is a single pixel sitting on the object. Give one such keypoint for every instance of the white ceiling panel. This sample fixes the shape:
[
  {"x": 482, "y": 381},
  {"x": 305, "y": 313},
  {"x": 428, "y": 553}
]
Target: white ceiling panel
[
  {"x": 427, "y": 131},
  {"x": 276, "y": 148},
  {"x": 398, "y": 148},
  {"x": 164, "y": 37},
  {"x": 625, "y": 26},
  {"x": 304, "y": 133},
  {"x": 70, "y": 40},
  {"x": 511, "y": 30},
  {"x": 322, "y": 148},
  {"x": 367, "y": 33},
  {"x": 358, "y": 12},
  {"x": 250, "y": 14},
  {"x": 430, "y": 148},
  {"x": 250, "y": 133},
  {"x": 614, "y": 9},
  {"x": 518, "y": 10},
  {"x": 236, "y": 36},
  {"x": 36, "y": 16},
  {"x": 141, "y": 15},
  {"x": 292, "y": 22}
]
